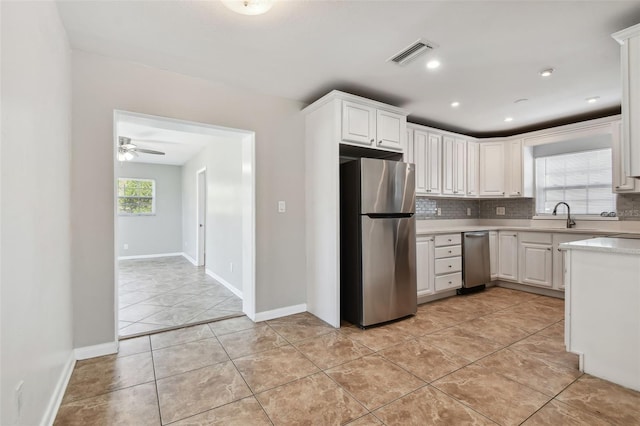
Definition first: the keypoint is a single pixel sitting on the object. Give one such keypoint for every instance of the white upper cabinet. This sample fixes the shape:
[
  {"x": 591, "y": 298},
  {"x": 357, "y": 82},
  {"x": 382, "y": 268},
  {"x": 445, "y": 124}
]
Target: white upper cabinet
[
  {"x": 372, "y": 127},
  {"x": 407, "y": 149},
  {"x": 426, "y": 156},
  {"x": 473, "y": 169},
  {"x": 513, "y": 168},
  {"x": 454, "y": 155},
  {"x": 390, "y": 128},
  {"x": 630, "y": 66},
  {"x": 492, "y": 169},
  {"x": 621, "y": 182}
]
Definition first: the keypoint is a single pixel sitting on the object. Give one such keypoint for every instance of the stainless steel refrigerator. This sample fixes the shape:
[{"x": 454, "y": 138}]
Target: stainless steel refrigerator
[{"x": 377, "y": 241}]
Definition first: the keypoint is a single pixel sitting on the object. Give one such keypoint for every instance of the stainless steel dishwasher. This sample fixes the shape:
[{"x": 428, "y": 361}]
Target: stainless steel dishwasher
[{"x": 476, "y": 265}]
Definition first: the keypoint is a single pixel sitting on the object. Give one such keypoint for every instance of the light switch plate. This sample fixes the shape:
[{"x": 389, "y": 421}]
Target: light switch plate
[{"x": 282, "y": 207}]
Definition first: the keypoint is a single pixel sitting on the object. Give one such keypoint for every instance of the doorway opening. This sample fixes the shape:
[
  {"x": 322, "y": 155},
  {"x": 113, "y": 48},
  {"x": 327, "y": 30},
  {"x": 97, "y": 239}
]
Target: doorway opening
[{"x": 190, "y": 258}]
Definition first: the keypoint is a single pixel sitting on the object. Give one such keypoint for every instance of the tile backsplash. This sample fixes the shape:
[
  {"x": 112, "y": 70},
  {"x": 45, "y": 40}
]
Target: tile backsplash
[{"x": 627, "y": 208}]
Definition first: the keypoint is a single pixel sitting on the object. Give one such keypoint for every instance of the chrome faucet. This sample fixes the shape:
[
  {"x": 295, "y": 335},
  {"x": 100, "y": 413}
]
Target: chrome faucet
[{"x": 570, "y": 222}]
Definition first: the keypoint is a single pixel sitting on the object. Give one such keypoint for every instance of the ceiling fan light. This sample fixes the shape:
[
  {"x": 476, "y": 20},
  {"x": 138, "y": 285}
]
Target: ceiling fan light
[
  {"x": 128, "y": 156},
  {"x": 249, "y": 7},
  {"x": 121, "y": 156}
]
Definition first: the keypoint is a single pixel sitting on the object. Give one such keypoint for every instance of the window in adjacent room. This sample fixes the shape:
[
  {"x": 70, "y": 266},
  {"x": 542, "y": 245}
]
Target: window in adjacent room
[
  {"x": 136, "y": 196},
  {"x": 581, "y": 179}
]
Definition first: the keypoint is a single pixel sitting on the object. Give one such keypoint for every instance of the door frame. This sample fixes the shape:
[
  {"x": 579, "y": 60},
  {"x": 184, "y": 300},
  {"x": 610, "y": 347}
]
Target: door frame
[{"x": 201, "y": 216}]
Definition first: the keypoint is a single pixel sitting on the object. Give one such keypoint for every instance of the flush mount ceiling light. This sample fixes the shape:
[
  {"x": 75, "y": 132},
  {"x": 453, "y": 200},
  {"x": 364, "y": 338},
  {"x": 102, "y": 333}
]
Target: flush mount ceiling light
[
  {"x": 455, "y": 104},
  {"x": 508, "y": 119},
  {"x": 547, "y": 72},
  {"x": 433, "y": 64},
  {"x": 593, "y": 99},
  {"x": 249, "y": 7}
]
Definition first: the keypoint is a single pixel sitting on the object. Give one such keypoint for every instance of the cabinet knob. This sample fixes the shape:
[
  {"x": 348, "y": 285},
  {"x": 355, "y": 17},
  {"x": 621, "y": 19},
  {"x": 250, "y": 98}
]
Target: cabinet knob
[
  {"x": 379, "y": 142},
  {"x": 449, "y": 251},
  {"x": 549, "y": 249},
  {"x": 373, "y": 140},
  {"x": 450, "y": 266},
  {"x": 518, "y": 192},
  {"x": 618, "y": 187},
  {"x": 503, "y": 193},
  {"x": 449, "y": 282}
]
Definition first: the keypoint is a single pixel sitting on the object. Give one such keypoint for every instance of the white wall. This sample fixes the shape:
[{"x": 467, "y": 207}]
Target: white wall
[
  {"x": 223, "y": 160},
  {"x": 36, "y": 331},
  {"x": 161, "y": 232},
  {"x": 101, "y": 85}
]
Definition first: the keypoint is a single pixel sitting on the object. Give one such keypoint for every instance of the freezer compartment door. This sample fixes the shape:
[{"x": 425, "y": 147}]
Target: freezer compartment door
[
  {"x": 476, "y": 268},
  {"x": 387, "y": 186},
  {"x": 388, "y": 269}
]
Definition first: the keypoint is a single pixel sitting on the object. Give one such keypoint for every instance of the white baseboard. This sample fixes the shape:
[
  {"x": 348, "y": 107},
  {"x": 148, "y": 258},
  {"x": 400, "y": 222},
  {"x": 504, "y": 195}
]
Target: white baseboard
[
  {"x": 149, "y": 256},
  {"x": 280, "y": 312},
  {"x": 224, "y": 282},
  {"x": 96, "y": 350},
  {"x": 58, "y": 392},
  {"x": 190, "y": 259}
]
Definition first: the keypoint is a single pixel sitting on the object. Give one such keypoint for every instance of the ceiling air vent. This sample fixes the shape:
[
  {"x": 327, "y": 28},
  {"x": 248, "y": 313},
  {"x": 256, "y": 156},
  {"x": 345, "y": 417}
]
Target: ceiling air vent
[{"x": 414, "y": 50}]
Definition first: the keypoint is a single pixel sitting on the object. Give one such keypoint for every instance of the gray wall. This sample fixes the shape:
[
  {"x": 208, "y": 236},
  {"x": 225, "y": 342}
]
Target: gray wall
[
  {"x": 36, "y": 326},
  {"x": 101, "y": 85},
  {"x": 223, "y": 160},
  {"x": 159, "y": 233}
]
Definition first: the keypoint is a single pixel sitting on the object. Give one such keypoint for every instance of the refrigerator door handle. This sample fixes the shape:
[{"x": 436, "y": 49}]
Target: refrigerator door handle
[{"x": 388, "y": 215}]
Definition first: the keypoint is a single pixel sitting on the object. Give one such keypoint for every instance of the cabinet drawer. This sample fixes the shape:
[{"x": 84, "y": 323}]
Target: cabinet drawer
[
  {"x": 449, "y": 281},
  {"x": 536, "y": 237},
  {"x": 450, "y": 251},
  {"x": 448, "y": 265},
  {"x": 448, "y": 240}
]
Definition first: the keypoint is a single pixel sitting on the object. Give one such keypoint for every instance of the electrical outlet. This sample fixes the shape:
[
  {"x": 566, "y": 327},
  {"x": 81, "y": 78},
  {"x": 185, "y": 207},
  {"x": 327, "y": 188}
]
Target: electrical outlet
[
  {"x": 126, "y": 246},
  {"x": 439, "y": 211},
  {"x": 230, "y": 266},
  {"x": 468, "y": 211},
  {"x": 282, "y": 207},
  {"x": 500, "y": 211}
]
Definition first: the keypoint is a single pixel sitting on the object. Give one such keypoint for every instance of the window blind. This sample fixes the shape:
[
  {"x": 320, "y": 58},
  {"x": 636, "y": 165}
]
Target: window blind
[{"x": 581, "y": 179}]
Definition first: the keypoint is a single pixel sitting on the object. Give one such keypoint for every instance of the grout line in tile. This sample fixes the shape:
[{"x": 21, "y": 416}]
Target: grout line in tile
[{"x": 155, "y": 383}]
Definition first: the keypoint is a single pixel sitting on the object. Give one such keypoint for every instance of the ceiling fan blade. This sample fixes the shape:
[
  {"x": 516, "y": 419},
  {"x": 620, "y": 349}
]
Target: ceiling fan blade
[{"x": 149, "y": 151}]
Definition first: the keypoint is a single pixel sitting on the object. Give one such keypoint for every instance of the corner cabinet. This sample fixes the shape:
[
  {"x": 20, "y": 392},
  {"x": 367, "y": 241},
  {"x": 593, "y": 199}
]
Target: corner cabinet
[
  {"x": 473, "y": 169},
  {"x": 629, "y": 40},
  {"x": 372, "y": 127}
]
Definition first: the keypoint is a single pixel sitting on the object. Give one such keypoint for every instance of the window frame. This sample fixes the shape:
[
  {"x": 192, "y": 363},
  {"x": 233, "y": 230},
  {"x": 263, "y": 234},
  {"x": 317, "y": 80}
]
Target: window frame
[
  {"x": 153, "y": 197},
  {"x": 583, "y": 216}
]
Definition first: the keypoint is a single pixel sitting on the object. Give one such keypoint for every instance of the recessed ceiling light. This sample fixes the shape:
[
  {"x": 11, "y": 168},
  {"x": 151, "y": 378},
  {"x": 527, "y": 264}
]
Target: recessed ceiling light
[
  {"x": 547, "y": 72},
  {"x": 521, "y": 100},
  {"x": 593, "y": 100},
  {"x": 508, "y": 119},
  {"x": 433, "y": 64},
  {"x": 455, "y": 104}
]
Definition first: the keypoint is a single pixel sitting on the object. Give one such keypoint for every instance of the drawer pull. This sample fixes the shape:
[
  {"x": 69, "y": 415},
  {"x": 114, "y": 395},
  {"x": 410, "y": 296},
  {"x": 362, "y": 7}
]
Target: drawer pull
[
  {"x": 449, "y": 266},
  {"x": 449, "y": 250}
]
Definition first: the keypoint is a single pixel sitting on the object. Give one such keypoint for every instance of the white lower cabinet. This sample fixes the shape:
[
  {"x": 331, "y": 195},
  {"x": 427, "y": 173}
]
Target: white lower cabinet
[
  {"x": 508, "y": 255},
  {"x": 558, "y": 256},
  {"x": 536, "y": 259},
  {"x": 493, "y": 254},
  {"x": 447, "y": 262},
  {"x": 424, "y": 265}
]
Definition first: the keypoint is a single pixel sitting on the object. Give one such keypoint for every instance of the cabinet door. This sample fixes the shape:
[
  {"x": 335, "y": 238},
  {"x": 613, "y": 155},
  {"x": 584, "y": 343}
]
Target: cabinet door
[
  {"x": 621, "y": 182},
  {"x": 492, "y": 169},
  {"x": 473, "y": 163},
  {"x": 358, "y": 123},
  {"x": 493, "y": 254},
  {"x": 448, "y": 165},
  {"x": 536, "y": 264},
  {"x": 424, "y": 265},
  {"x": 434, "y": 164},
  {"x": 460, "y": 160},
  {"x": 514, "y": 169},
  {"x": 508, "y": 255},
  {"x": 558, "y": 256},
  {"x": 420, "y": 145},
  {"x": 407, "y": 148},
  {"x": 390, "y": 129}
]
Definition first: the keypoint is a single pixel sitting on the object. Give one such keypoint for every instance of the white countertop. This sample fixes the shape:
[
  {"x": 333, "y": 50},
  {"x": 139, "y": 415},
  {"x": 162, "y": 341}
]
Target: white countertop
[
  {"x": 605, "y": 245},
  {"x": 457, "y": 229}
]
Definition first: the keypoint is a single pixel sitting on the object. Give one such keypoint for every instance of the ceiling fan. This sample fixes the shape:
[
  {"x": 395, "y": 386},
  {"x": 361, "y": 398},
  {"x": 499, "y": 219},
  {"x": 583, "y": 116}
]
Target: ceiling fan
[{"x": 128, "y": 151}]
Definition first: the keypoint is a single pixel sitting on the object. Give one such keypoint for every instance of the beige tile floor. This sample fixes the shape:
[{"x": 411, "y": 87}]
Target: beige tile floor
[
  {"x": 491, "y": 358},
  {"x": 168, "y": 292}
]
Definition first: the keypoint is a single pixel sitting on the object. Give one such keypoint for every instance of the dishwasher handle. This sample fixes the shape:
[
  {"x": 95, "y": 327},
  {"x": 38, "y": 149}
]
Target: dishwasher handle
[{"x": 475, "y": 234}]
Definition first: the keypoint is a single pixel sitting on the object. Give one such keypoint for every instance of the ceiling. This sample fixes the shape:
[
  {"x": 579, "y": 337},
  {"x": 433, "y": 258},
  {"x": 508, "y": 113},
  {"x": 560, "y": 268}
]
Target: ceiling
[
  {"x": 491, "y": 53},
  {"x": 179, "y": 140}
]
